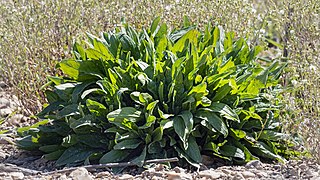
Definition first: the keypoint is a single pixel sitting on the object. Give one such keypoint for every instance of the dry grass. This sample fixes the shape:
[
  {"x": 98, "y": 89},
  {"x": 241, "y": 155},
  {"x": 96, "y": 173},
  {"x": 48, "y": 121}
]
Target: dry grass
[{"x": 35, "y": 35}]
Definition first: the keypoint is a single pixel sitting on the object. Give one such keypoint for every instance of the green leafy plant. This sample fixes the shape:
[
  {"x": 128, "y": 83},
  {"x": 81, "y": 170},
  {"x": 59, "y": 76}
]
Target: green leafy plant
[{"x": 132, "y": 96}]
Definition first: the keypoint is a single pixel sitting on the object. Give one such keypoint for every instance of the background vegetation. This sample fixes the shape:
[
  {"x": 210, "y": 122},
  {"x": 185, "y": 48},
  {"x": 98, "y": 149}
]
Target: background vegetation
[{"x": 35, "y": 35}]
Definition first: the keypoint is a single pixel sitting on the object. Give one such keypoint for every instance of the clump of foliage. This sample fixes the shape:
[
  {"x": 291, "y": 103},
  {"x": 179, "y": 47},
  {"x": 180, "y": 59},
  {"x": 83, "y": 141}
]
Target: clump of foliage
[{"x": 132, "y": 96}]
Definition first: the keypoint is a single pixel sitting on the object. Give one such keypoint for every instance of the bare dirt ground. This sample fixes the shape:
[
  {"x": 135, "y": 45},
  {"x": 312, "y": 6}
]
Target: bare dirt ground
[{"x": 18, "y": 164}]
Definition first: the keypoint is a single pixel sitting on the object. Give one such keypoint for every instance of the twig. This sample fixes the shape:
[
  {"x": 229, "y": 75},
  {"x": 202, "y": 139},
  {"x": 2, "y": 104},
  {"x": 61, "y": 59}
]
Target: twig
[
  {"x": 13, "y": 168},
  {"x": 111, "y": 165}
]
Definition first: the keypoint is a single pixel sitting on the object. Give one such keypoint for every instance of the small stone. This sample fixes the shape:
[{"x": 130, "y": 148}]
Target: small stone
[
  {"x": 254, "y": 164},
  {"x": 262, "y": 174},
  {"x": 17, "y": 119},
  {"x": 3, "y": 155},
  {"x": 209, "y": 174},
  {"x": 178, "y": 170},
  {"x": 63, "y": 177},
  {"x": 103, "y": 174},
  {"x": 125, "y": 177},
  {"x": 80, "y": 173},
  {"x": 248, "y": 174},
  {"x": 159, "y": 167},
  {"x": 226, "y": 171},
  {"x": 5, "y": 112},
  {"x": 277, "y": 166},
  {"x": 3, "y": 84},
  {"x": 7, "y": 178},
  {"x": 173, "y": 175},
  {"x": 238, "y": 176},
  {"x": 4, "y": 103},
  {"x": 17, "y": 175},
  {"x": 303, "y": 166}
]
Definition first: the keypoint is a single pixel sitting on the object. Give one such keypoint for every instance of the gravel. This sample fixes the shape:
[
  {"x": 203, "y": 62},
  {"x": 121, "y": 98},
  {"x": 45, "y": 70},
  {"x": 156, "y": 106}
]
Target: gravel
[{"x": 17, "y": 164}]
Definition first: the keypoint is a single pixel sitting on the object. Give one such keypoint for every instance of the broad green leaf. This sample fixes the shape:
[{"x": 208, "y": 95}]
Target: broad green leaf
[
  {"x": 157, "y": 134},
  {"x": 224, "y": 111},
  {"x": 69, "y": 141},
  {"x": 232, "y": 151},
  {"x": 28, "y": 142},
  {"x": 114, "y": 156},
  {"x": 191, "y": 36},
  {"x": 188, "y": 120},
  {"x": 128, "y": 144},
  {"x": 128, "y": 113},
  {"x": 183, "y": 154},
  {"x": 54, "y": 155},
  {"x": 70, "y": 110},
  {"x": 193, "y": 150},
  {"x": 139, "y": 161},
  {"x": 96, "y": 108},
  {"x": 84, "y": 121},
  {"x": 154, "y": 25},
  {"x": 214, "y": 120},
  {"x": 237, "y": 133},
  {"x": 264, "y": 150},
  {"x": 74, "y": 154},
  {"x": 180, "y": 128}
]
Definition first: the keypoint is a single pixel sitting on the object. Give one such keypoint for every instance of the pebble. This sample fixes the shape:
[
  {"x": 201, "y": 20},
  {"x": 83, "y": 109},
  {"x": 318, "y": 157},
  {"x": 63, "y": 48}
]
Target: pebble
[
  {"x": 178, "y": 170},
  {"x": 210, "y": 174},
  {"x": 80, "y": 174},
  {"x": 303, "y": 166},
  {"x": 3, "y": 155},
  {"x": 125, "y": 177},
  {"x": 277, "y": 166},
  {"x": 17, "y": 175},
  {"x": 17, "y": 119},
  {"x": 5, "y": 112},
  {"x": 173, "y": 175},
  {"x": 248, "y": 174},
  {"x": 238, "y": 176},
  {"x": 103, "y": 174},
  {"x": 7, "y": 178},
  {"x": 254, "y": 164},
  {"x": 226, "y": 171},
  {"x": 4, "y": 103},
  {"x": 63, "y": 177},
  {"x": 262, "y": 174},
  {"x": 3, "y": 84}
]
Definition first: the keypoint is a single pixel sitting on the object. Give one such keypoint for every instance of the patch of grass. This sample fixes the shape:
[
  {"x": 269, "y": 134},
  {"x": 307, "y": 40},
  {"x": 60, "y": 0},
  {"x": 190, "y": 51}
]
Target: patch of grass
[{"x": 35, "y": 35}]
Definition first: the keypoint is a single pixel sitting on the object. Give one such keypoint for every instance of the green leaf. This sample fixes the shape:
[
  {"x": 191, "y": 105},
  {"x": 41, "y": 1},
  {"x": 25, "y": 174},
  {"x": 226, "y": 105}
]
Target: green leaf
[
  {"x": 188, "y": 120},
  {"x": 128, "y": 144},
  {"x": 70, "y": 110},
  {"x": 128, "y": 113},
  {"x": 157, "y": 134},
  {"x": 69, "y": 140},
  {"x": 96, "y": 108},
  {"x": 78, "y": 123},
  {"x": 139, "y": 161},
  {"x": 114, "y": 156},
  {"x": 193, "y": 150},
  {"x": 232, "y": 151},
  {"x": 264, "y": 150},
  {"x": 191, "y": 36},
  {"x": 154, "y": 25},
  {"x": 181, "y": 130},
  {"x": 224, "y": 111},
  {"x": 74, "y": 154},
  {"x": 54, "y": 155},
  {"x": 215, "y": 121}
]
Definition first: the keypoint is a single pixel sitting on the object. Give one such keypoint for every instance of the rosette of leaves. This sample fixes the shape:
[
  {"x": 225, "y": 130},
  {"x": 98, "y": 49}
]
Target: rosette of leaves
[{"x": 133, "y": 96}]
